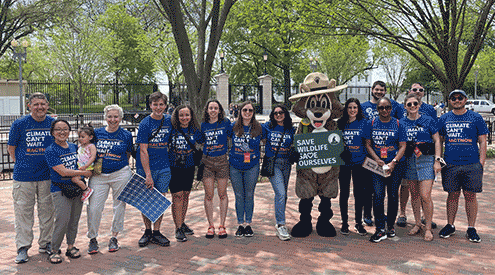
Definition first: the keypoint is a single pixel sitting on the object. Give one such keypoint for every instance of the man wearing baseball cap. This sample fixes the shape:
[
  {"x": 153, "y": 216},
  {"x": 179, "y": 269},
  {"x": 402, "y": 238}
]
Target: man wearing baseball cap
[{"x": 462, "y": 130}]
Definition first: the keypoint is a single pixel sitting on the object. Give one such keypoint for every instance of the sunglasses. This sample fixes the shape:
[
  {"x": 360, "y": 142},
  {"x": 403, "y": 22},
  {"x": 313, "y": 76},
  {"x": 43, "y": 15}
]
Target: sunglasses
[
  {"x": 416, "y": 89},
  {"x": 248, "y": 110},
  {"x": 455, "y": 98},
  {"x": 415, "y": 103},
  {"x": 278, "y": 113},
  {"x": 381, "y": 108}
]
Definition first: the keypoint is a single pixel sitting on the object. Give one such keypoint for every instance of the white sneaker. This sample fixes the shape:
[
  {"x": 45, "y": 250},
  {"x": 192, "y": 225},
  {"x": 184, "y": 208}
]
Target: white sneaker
[{"x": 282, "y": 232}]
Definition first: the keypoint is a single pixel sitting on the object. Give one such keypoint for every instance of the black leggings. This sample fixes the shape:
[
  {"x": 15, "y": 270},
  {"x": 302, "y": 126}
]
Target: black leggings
[{"x": 362, "y": 189}]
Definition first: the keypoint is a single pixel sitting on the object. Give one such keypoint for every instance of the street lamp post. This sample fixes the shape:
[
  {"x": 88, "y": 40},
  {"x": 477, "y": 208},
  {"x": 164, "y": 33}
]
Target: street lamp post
[
  {"x": 476, "y": 80},
  {"x": 265, "y": 58},
  {"x": 313, "y": 64},
  {"x": 20, "y": 53},
  {"x": 221, "y": 62}
]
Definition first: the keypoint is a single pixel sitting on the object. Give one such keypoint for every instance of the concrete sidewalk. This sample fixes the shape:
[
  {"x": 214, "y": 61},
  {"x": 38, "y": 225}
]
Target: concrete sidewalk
[{"x": 265, "y": 253}]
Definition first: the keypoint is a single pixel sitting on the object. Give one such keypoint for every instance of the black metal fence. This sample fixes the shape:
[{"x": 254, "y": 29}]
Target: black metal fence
[{"x": 74, "y": 98}]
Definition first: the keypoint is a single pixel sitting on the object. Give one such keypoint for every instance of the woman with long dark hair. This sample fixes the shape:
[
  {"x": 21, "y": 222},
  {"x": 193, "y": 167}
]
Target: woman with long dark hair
[
  {"x": 244, "y": 165},
  {"x": 353, "y": 126},
  {"x": 185, "y": 134},
  {"x": 279, "y": 139},
  {"x": 215, "y": 129}
]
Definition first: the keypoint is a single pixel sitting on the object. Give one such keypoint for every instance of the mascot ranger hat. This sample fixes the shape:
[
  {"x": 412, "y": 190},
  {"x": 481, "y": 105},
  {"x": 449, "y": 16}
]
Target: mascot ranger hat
[{"x": 316, "y": 84}]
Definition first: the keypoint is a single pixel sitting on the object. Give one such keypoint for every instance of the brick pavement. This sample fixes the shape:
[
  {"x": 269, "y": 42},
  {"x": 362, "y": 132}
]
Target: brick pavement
[{"x": 265, "y": 253}]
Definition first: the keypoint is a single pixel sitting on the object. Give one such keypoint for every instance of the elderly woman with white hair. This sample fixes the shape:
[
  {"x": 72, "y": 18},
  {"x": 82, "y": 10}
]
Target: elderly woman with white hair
[{"x": 114, "y": 145}]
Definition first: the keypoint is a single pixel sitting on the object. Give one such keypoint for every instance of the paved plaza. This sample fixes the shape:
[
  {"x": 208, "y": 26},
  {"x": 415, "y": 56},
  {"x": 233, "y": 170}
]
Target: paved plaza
[{"x": 264, "y": 253}]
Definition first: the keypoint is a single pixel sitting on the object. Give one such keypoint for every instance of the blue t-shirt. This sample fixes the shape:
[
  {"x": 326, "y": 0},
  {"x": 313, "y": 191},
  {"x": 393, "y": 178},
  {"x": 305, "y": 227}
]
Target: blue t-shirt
[
  {"x": 215, "y": 137},
  {"x": 113, "y": 148},
  {"x": 245, "y": 144},
  {"x": 180, "y": 148},
  {"x": 354, "y": 135},
  {"x": 31, "y": 138},
  {"x": 461, "y": 134},
  {"x": 158, "y": 146},
  {"x": 386, "y": 135},
  {"x": 56, "y": 155},
  {"x": 370, "y": 112},
  {"x": 419, "y": 130},
  {"x": 273, "y": 138},
  {"x": 424, "y": 110}
]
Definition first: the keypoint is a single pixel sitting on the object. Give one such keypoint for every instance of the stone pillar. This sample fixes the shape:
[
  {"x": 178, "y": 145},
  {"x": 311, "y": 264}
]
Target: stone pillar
[
  {"x": 223, "y": 90},
  {"x": 266, "y": 83}
]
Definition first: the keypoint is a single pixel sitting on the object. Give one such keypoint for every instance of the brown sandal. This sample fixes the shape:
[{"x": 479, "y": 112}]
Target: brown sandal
[
  {"x": 210, "y": 233},
  {"x": 55, "y": 258},
  {"x": 73, "y": 253},
  {"x": 222, "y": 233},
  {"x": 415, "y": 230}
]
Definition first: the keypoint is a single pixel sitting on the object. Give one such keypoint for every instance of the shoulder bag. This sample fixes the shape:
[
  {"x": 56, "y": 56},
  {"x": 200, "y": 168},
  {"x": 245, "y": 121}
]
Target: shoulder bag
[{"x": 268, "y": 166}]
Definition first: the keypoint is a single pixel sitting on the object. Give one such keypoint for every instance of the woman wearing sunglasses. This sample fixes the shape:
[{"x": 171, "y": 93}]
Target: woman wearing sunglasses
[
  {"x": 385, "y": 144},
  {"x": 244, "y": 161},
  {"x": 423, "y": 143},
  {"x": 280, "y": 135},
  {"x": 353, "y": 126}
]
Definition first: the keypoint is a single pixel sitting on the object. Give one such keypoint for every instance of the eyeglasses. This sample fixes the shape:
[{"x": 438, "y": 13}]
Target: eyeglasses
[
  {"x": 278, "y": 113},
  {"x": 455, "y": 98},
  {"x": 248, "y": 110},
  {"x": 415, "y": 103},
  {"x": 381, "y": 108},
  {"x": 417, "y": 89},
  {"x": 61, "y": 130}
]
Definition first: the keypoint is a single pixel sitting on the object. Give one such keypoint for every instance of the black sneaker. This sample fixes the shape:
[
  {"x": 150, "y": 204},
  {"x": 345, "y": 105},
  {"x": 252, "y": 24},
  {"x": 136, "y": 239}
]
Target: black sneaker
[
  {"x": 402, "y": 221},
  {"x": 433, "y": 224},
  {"x": 344, "y": 229},
  {"x": 145, "y": 239},
  {"x": 113, "y": 245},
  {"x": 472, "y": 236},
  {"x": 159, "y": 239},
  {"x": 46, "y": 249},
  {"x": 368, "y": 221},
  {"x": 22, "y": 255},
  {"x": 447, "y": 231},
  {"x": 187, "y": 230},
  {"x": 93, "y": 246},
  {"x": 240, "y": 231},
  {"x": 360, "y": 229},
  {"x": 248, "y": 231},
  {"x": 180, "y": 235},
  {"x": 379, "y": 236},
  {"x": 391, "y": 232}
]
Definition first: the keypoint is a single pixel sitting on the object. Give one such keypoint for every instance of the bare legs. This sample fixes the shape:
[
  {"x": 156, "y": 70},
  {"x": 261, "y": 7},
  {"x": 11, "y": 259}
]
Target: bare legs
[
  {"x": 209, "y": 185},
  {"x": 421, "y": 197},
  {"x": 471, "y": 207},
  {"x": 180, "y": 202}
]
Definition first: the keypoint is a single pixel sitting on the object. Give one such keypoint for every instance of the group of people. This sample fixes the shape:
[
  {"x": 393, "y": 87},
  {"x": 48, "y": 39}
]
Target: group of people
[
  {"x": 48, "y": 166},
  {"x": 407, "y": 144},
  {"x": 406, "y": 141}
]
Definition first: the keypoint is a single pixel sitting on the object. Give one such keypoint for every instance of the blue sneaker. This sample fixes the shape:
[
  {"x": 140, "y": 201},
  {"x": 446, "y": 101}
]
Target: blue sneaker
[
  {"x": 472, "y": 236},
  {"x": 447, "y": 231},
  {"x": 22, "y": 255}
]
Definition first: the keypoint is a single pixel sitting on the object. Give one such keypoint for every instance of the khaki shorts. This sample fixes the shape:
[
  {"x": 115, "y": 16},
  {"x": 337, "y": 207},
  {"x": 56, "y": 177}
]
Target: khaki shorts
[{"x": 216, "y": 167}]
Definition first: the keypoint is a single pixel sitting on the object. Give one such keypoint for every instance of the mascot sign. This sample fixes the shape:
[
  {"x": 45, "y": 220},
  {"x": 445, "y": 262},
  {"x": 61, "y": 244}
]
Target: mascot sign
[{"x": 319, "y": 149}]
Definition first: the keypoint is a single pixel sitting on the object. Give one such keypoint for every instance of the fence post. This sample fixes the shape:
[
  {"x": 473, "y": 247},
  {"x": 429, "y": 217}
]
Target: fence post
[
  {"x": 223, "y": 90},
  {"x": 266, "y": 83}
]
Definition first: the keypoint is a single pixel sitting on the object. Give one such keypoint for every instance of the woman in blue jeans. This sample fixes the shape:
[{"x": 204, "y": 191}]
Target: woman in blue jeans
[
  {"x": 279, "y": 138},
  {"x": 386, "y": 144},
  {"x": 245, "y": 165}
]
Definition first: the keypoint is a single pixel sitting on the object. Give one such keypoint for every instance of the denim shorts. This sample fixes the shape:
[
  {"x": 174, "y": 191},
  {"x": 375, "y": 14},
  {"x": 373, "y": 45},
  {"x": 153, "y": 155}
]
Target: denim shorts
[
  {"x": 466, "y": 177},
  {"x": 161, "y": 178},
  {"x": 420, "y": 168}
]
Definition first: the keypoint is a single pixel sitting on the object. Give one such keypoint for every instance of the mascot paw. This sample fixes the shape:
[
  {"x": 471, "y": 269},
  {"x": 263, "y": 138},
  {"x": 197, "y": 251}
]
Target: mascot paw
[
  {"x": 302, "y": 229},
  {"x": 325, "y": 229}
]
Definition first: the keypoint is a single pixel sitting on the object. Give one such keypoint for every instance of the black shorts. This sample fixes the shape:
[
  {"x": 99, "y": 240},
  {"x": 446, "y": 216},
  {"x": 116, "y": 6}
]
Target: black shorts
[
  {"x": 182, "y": 179},
  {"x": 466, "y": 177}
]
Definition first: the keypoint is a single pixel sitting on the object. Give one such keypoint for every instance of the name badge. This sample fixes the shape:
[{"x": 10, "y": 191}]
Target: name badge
[
  {"x": 247, "y": 157},
  {"x": 417, "y": 152},
  {"x": 383, "y": 152}
]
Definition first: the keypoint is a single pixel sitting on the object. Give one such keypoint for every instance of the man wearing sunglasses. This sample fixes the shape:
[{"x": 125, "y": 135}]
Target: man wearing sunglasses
[
  {"x": 427, "y": 110},
  {"x": 378, "y": 91},
  {"x": 462, "y": 130}
]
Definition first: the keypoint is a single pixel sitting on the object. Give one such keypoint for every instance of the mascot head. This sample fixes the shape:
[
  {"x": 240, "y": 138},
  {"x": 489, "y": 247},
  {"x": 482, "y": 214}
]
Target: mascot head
[{"x": 317, "y": 102}]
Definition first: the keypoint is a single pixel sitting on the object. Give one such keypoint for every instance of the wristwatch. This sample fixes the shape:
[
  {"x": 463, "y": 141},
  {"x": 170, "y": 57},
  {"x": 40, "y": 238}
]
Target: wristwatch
[{"x": 394, "y": 160}]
